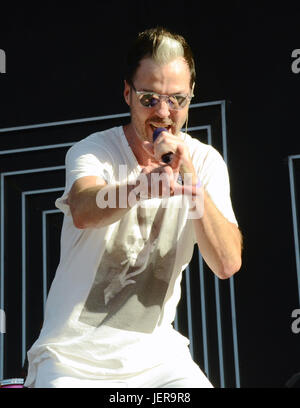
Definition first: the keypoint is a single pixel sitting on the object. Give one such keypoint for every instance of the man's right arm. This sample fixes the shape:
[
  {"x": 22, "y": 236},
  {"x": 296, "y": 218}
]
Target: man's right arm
[
  {"x": 94, "y": 203},
  {"x": 82, "y": 200}
]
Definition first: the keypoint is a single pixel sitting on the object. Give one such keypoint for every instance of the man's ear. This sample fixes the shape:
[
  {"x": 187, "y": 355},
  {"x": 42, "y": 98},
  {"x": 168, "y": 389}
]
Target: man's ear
[{"x": 126, "y": 93}]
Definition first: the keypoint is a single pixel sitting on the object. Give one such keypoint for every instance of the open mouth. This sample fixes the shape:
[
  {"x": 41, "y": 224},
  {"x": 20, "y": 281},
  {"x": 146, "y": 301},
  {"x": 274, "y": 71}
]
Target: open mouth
[{"x": 153, "y": 127}]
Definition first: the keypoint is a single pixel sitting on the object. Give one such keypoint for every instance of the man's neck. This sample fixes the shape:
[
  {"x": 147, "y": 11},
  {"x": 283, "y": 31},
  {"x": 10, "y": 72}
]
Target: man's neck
[{"x": 136, "y": 145}]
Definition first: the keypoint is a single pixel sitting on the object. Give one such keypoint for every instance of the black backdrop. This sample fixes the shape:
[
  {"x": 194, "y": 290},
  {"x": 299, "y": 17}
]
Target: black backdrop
[{"x": 66, "y": 62}]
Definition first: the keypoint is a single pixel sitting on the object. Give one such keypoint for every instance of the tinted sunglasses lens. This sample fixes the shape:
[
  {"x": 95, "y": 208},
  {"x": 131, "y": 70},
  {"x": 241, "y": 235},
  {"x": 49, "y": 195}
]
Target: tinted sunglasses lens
[
  {"x": 148, "y": 100},
  {"x": 181, "y": 101},
  {"x": 175, "y": 102}
]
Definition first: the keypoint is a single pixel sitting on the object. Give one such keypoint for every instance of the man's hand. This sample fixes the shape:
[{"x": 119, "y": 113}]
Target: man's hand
[
  {"x": 168, "y": 143},
  {"x": 159, "y": 179}
]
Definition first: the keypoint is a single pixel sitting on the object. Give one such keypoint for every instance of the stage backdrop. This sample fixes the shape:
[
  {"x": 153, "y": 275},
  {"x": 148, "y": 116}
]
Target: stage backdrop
[{"x": 62, "y": 79}]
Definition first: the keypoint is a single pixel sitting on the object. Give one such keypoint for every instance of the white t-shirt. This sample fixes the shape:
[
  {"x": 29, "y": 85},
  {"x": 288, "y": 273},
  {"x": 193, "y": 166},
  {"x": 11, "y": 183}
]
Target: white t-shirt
[{"x": 112, "y": 302}]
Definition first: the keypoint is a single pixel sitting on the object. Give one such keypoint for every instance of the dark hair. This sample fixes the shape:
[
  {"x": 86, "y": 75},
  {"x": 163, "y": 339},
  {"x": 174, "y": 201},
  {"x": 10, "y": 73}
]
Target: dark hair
[{"x": 147, "y": 45}]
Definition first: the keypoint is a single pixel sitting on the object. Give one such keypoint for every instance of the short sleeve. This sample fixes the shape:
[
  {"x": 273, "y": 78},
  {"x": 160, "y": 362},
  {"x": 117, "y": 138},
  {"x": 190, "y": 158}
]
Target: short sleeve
[
  {"x": 215, "y": 179},
  {"x": 85, "y": 158}
]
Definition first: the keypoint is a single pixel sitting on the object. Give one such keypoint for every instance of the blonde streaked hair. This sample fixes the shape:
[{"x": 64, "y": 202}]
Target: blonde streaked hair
[{"x": 161, "y": 45}]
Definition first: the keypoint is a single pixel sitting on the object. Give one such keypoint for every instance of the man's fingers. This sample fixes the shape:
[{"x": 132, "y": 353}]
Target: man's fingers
[{"x": 176, "y": 159}]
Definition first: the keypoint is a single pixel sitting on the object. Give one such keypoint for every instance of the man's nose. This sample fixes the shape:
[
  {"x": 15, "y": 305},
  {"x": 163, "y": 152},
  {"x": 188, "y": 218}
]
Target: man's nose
[{"x": 163, "y": 110}]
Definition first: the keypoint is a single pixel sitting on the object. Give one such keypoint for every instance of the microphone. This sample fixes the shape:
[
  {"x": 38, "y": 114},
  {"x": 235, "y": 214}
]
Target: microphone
[{"x": 167, "y": 157}]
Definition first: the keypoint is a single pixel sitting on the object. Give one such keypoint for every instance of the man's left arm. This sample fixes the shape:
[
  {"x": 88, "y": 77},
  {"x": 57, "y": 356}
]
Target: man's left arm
[{"x": 219, "y": 240}]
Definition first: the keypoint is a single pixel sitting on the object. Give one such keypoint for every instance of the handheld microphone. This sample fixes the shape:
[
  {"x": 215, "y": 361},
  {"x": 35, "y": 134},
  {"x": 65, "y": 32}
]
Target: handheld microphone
[{"x": 167, "y": 157}]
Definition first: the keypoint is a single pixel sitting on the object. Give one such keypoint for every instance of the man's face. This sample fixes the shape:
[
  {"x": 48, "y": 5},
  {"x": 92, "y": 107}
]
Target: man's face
[{"x": 169, "y": 79}]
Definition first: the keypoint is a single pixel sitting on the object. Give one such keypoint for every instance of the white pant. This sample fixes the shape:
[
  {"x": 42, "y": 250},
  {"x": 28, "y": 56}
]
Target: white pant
[{"x": 179, "y": 373}]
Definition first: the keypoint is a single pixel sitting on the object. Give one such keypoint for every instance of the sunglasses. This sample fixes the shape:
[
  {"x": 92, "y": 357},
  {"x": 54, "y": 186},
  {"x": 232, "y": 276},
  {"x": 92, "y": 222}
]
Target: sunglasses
[{"x": 151, "y": 99}]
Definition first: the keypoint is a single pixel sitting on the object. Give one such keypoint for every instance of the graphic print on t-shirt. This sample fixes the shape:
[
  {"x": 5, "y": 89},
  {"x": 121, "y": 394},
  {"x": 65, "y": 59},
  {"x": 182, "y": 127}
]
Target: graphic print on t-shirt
[{"x": 134, "y": 272}]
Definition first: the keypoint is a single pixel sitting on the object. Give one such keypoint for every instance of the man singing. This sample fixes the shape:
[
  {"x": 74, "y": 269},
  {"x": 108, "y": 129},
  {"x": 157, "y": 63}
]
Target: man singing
[{"x": 131, "y": 220}]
